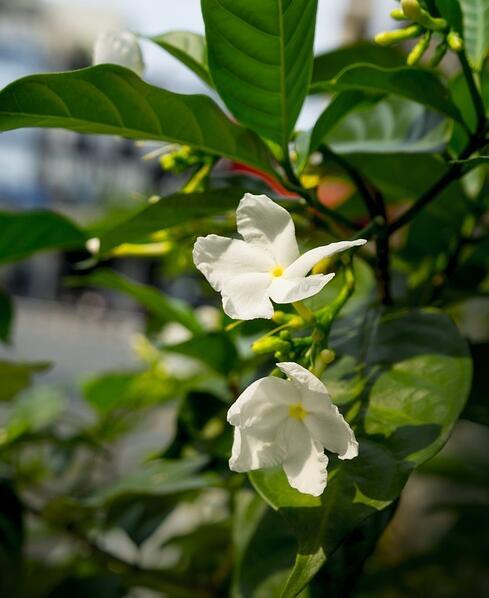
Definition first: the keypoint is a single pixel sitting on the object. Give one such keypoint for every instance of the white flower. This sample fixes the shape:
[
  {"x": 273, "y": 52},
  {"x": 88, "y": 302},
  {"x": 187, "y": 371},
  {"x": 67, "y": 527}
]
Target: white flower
[
  {"x": 265, "y": 264},
  {"x": 289, "y": 423},
  {"x": 119, "y": 47}
]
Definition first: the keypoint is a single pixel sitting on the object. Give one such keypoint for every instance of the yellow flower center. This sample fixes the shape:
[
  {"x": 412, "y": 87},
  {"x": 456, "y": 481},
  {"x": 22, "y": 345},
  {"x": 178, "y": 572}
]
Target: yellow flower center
[
  {"x": 297, "y": 411},
  {"x": 277, "y": 271}
]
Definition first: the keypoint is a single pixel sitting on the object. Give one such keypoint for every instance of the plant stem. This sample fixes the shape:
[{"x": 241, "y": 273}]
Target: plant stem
[
  {"x": 305, "y": 313},
  {"x": 473, "y": 89}
]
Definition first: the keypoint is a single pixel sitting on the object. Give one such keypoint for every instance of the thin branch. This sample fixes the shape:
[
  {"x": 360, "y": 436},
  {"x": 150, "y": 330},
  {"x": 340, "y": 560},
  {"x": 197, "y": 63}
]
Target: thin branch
[{"x": 473, "y": 89}]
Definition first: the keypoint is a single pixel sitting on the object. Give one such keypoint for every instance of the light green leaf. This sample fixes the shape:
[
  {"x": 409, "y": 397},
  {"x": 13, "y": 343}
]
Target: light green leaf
[
  {"x": 189, "y": 48},
  {"x": 417, "y": 374},
  {"x": 6, "y": 316},
  {"x": 169, "y": 211},
  {"x": 215, "y": 349},
  {"x": 260, "y": 58},
  {"x": 328, "y": 65},
  {"x": 25, "y": 233},
  {"x": 16, "y": 377},
  {"x": 418, "y": 85},
  {"x": 111, "y": 100},
  {"x": 476, "y": 30},
  {"x": 164, "y": 308},
  {"x": 393, "y": 125}
]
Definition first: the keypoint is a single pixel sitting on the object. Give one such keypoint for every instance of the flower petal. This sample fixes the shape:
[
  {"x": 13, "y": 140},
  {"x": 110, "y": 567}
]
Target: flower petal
[
  {"x": 303, "y": 379},
  {"x": 308, "y": 260},
  {"x": 332, "y": 431},
  {"x": 306, "y": 463},
  {"x": 250, "y": 452},
  {"x": 264, "y": 223},
  {"x": 246, "y": 297},
  {"x": 264, "y": 398},
  {"x": 288, "y": 290}
]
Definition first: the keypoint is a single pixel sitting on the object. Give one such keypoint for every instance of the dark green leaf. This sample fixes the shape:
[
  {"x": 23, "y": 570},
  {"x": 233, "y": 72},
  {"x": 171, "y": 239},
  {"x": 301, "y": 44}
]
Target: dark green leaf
[
  {"x": 417, "y": 372},
  {"x": 189, "y": 48},
  {"x": 471, "y": 163},
  {"x": 173, "y": 210},
  {"x": 164, "y": 308},
  {"x": 451, "y": 11},
  {"x": 327, "y": 66},
  {"x": 16, "y": 377},
  {"x": 477, "y": 408},
  {"x": 25, "y": 233},
  {"x": 6, "y": 316},
  {"x": 260, "y": 58},
  {"x": 11, "y": 540},
  {"x": 423, "y": 87},
  {"x": 111, "y": 100},
  {"x": 476, "y": 30}
]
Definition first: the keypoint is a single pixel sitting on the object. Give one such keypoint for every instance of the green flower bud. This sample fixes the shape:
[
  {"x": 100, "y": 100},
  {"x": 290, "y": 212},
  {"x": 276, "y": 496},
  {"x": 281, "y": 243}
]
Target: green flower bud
[
  {"x": 438, "y": 55},
  {"x": 455, "y": 41},
  {"x": 413, "y": 11},
  {"x": 419, "y": 49},
  {"x": 398, "y": 15},
  {"x": 389, "y": 38},
  {"x": 270, "y": 344},
  {"x": 327, "y": 356}
]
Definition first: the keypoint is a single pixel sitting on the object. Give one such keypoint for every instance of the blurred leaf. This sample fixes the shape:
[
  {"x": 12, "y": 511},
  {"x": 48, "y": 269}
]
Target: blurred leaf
[
  {"x": 476, "y": 30},
  {"x": 93, "y": 586},
  {"x": 215, "y": 349},
  {"x": 393, "y": 125},
  {"x": 260, "y": 58},
  {"x": 25, "y": 233},
  {"x": 11, "y": 541},
  {"x": 111, "y": 100},
  {"x": 189, "y": 48},
  {"x": 18, "y": 376},
  {"x": 6, "y": 316},
  {"x": 418, "y": 85},
  {"x": 418, "y": 372},
  {"x": 452, "y": 12},
  {"x": 161, "y": 306},
  {"x": 173, "y": 210},
  {"x": 477, "y": 408},
  {"x": 327, "y": 66},
  {"x": 471, "y": 163}
]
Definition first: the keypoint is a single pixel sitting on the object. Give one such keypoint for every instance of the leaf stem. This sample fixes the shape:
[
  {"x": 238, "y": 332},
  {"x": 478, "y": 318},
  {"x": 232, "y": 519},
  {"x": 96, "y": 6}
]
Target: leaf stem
[{"x": 473, "y": 89}]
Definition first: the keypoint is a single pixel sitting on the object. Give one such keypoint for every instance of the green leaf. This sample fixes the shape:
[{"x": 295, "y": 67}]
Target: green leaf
[
  {"x": 393, "y": 125},
  {"x": 477, "y": 408},
  {"x": 423, "y": 87},
  {"x": 476, "y": 30},
  {"x": 25, "y": 233},
  {"x": 472, "y": 163},
  {"x": 260, "y": 58},
  {"x": 111, "y": 100},
  {"x": 215, "y": 349},
  {"x": 173, "y": 210},
  {"x": 6, "y": 316},
  {"x": 451, "y": 11},
  {"x": 11, "y": 540},
  {"x": 16, "y": 377},
  {"x": 417, "y": 374},
  {"x": 161, "y": 306},
  {"x": 327, "y": 66},
  {"x": 189, "y": 48}
]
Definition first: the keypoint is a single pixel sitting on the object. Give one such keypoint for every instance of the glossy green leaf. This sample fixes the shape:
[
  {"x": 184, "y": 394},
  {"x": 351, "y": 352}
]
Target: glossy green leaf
[
  {"x": 6, "y": 316},
  {"x": 476, "y": 30},
  {"x": 24, "y": 233},
  {"x": 17, "y": 377},
  {"x": 393, "y": 125},
  {"x": 173, "y": 210},
  {"x": 189, "y": 48},
  {"x": 111, "y": 100},
  {"x": 328, "y": 65},
  {"x": 260, "y": 58},
  {"x": 417, "y": 374},
  {"x": 162, "y": 307},
  {"x": 418, "y": 85}
]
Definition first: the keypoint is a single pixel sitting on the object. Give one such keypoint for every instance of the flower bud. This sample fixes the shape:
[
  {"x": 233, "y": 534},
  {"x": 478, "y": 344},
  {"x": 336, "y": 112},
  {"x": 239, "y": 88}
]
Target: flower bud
[
  {"x": 119, "y": 47},
  {"x": 327, "y": 356},
  {"x": 438, "y": 55},
  {"x": 389, "y": 38},
  {"x": 414, "y": 12},
  {"x": 419, "y": 49},
  {"x": 455, "y": 41},
  {"x": 322, "y": 267},
  {"x": 270, "y": 344},
  {"x": 397, "y": 14}
]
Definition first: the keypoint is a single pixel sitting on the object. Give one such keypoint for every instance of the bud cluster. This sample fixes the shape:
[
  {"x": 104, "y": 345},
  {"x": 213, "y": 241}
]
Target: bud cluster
[{"x": 424, "y": 26}]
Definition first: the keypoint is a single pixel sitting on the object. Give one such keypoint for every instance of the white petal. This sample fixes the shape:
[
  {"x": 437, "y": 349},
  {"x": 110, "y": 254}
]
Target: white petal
[
  {"x": 306, "y": 463},
  {"x": 333, "y": 432},
  {"x": 303, "y": 378},
  {"x": 308, "y": 260},
  {"x": 260, "y": 399},
  {"x": 246, "y": 297},
  {"x": 250, "y": 452},
  {"x": 264, "y": 223},
  {"x": 288, "y": 290}
]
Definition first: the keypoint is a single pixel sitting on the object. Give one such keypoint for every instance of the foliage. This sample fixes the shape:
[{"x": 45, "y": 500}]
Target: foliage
[{"x": 408, "y": 142}]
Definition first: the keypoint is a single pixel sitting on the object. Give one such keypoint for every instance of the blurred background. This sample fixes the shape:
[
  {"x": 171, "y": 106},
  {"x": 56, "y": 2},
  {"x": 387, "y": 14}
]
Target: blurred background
[{"x": 82, "y": 332}]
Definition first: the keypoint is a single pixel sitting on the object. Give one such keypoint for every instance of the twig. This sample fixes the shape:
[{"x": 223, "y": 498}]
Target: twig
[{"x": 474, "y": 91}]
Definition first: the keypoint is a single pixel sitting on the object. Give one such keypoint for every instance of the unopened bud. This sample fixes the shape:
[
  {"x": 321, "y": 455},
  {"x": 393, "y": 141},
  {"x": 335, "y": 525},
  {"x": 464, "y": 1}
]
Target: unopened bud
[
  {"x": 419, "y": 49},
  {"x": 322, "y": 267},
  {"x": 455, "y": 41},
  {"x": 292, "y": 320},
  {"x": 327, "y": 356},
  {"x": 270, "y": 344},
  {"x": 438, "y": 55},
  {"x": 398, "y": 15},
  {"x": 414, "y": 12},
  {"x": 119, "y": 47},
  {"x": 389, "y": 38}
]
